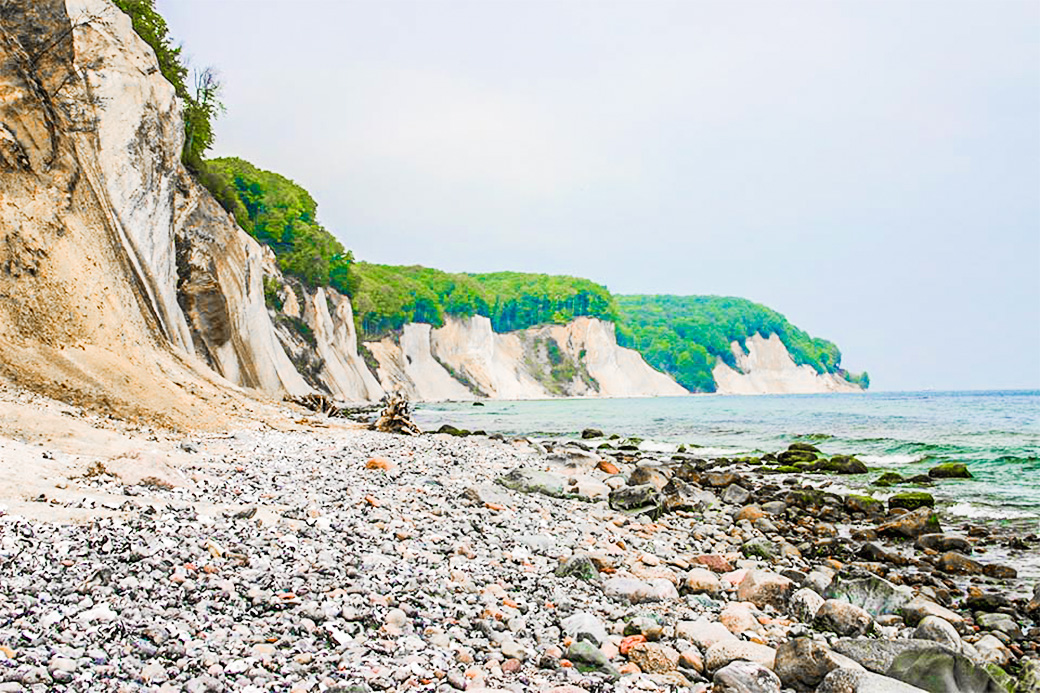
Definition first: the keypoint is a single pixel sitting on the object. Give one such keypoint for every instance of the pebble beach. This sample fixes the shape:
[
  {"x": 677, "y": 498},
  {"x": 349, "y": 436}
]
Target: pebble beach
[{"x": 343, "y": 559}]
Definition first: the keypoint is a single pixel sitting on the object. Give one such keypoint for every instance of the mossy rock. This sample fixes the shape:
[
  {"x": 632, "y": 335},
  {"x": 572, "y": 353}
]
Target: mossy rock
[
  {"x": 911, "y": 500},
  {"x": 950, "y": 470},
  {"x": 855, "y": 503},
  {"x": 803, "y": 447},
  {"x": 842, "y": 464},
  {"x": 889, "y": 479},
  {"x": 795, "y": 456},
  {"x": 452, "y": 431},
  {"x": 786, "y": 469},
  {"x": 804, "y": 466}
]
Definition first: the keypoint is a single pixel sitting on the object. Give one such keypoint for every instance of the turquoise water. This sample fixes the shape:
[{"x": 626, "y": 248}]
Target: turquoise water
[{"x": 997, "y": 434}]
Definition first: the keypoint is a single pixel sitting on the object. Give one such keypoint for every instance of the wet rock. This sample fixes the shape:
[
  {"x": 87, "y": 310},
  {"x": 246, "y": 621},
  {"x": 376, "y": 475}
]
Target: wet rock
[
  {"x": 843, "y": 618},
  {"x": 803, "y": 447},
  {"x": 802, "y": 663},
  {"x": 911, "y": 500},
  {"x": 943, "y": 543},
  {"x": 911, "y": 525},
  {"x": 1029, "y": 677},
  {"x": 872, "y": 552},
  {"x": 985, "y": 601},
  {"x": 745, "y": 677},
  {"x": 719, "y": 479},
  {"x": 654, "y": 658},
  {"x": 842, "y": 464},
  {"x": 636, "y": 498},
  {"x": 992, "y": 650},
  {"x": 588, "y": 433},
  {"x": 999, "y": 571},
  {"x": 851, "y": 681},
  {"x": 950, "y": 470},
  {"x": 871, "y": 507},
  {"x": 765, "y": 588},
  {"x": 958, "y": 564},
  {"x": 751, "y": 513},
  {"x": 725, "y": 651},
  {"x": 889, "y": 479},
  {"x": 874, "y": 594},
  {"x": 679, "y": 495}
]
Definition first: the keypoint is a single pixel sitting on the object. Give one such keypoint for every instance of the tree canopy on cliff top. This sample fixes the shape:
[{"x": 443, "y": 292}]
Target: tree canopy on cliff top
[
  {"x": 279, "y": 213},
  {"x": 388, "y": 297}
]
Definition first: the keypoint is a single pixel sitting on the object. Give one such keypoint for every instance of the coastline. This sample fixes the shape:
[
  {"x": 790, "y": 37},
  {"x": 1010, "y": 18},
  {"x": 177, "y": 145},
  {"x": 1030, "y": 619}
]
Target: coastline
[{"x": 332, "y": 556}]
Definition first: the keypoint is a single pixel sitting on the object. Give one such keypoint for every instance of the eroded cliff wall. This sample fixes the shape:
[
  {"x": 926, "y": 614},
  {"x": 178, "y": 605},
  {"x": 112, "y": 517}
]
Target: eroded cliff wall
[
  {"x": 466, "y": 359},
  {"x": 767, "y": 368}
]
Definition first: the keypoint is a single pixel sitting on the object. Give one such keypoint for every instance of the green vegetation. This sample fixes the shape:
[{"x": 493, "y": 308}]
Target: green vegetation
[
  {"x": 683, "y": 335},
  {"x": 279, "y": 213},
  {"x": 200, "y": 107},
  {"x": 388, "y": 297}
]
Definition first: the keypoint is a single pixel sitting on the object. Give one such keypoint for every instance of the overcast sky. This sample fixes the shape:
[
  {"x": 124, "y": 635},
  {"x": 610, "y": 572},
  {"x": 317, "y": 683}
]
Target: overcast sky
[{"x": 870, "y": 169}]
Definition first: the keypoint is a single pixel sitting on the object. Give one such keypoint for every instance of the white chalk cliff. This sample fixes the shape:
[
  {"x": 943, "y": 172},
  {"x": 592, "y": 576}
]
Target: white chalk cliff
[
  {"x": 767, "y": 368},
  {"x": 465, "y": 359}
]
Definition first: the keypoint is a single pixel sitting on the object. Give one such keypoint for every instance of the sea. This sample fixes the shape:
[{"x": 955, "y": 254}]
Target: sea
[{"x": 995, "y": 433}]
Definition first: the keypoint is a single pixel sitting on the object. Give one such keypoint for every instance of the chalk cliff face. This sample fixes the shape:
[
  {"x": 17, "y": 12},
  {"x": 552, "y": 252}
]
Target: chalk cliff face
[
  {"x": 466, "y": 359},
  {"x": 767, "y": 368}
]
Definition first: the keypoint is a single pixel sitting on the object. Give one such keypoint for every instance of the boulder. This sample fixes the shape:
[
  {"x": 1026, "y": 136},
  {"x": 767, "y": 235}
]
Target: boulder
[
  {"x": 701, "y": 581},
  {"x": 588, "y": 433},
  {"x": 679, "y": 495},
  {"x": 938, "y": 630},
  {"x": 654, "y": 476},
  {"x": 790, "y": 457},
  {"x": 745, "y": 677},
  {"x": 842, "y": 464},
  {"x": 751, "y": 513},
  {"x": 1029, "y": 676},
  {"x": 942, "y": 671},
  {"x": 879, "y": 655},
  {"x": 852, "y": 681},
  {"x": 703, "y": 633},
  {"x": 636, "y": 498},
  {"x": 843, "y": 618},
  {"x": 950, "y": 470},
  {"x": 803, "y": 447},
  {"x": 585, "y": 652},
  {"x": 735, "y": 494},
  {"x": 719, "y": 479},
  {"x": 765, "y": 588},
  {"x": 999, "y": 571},
  {"x": 527, "y": 480},
  {"x": 580, "y": 566},
  {"x": 760, "y": 547},
  {"x": 585, "y": 626},
  {"x": 725, "y": 651},
  {"x": 1000, "y": 622},
  {"x": 992, "y": 650},
  {"x": 889, "y": 479},
  {"x": 802, "y": 663},
  {"x": 653, "y": 658},
  {"x": 915, "y": 610},
  {"x": 911, "y": 525},
  {"x": 874, "y": 594},
  {"x": 911, "y": 500},
  {"x": 866, "y": 505},
  {"x": 804, "y": 604}
]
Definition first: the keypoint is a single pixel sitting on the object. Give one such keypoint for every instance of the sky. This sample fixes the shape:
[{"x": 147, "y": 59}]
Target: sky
[{"x": 870, "y": 169}]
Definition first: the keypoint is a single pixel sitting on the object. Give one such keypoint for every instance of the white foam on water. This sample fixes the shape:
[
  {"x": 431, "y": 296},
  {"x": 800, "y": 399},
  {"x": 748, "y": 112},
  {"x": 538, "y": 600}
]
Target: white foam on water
[
  {"x": 654, "y": 446},
  {"x": 974, "y": 511},
  {"x": 889, "y": 460}
]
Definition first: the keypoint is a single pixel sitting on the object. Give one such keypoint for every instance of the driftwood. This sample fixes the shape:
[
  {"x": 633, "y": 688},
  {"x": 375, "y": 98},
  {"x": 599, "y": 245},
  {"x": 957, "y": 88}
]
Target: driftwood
[
  {"x": 396, "y": 417},
  {"x": 317, "y": 402}
]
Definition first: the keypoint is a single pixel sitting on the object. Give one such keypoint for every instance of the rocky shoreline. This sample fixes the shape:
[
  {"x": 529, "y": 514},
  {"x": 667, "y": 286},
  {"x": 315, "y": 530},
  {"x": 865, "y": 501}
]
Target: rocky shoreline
[{"x": 350, "y": 560}]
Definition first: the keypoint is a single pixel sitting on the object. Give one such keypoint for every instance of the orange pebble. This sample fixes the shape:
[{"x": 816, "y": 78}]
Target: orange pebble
[
  {"x": 628, "y": 642},
  {"x": 371, "y": 500},
  {"x": 628, "y": 668}
]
